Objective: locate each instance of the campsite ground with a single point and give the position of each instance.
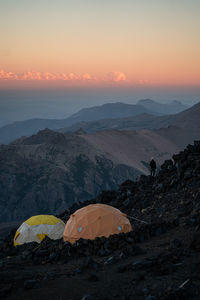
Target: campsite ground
(118, 279)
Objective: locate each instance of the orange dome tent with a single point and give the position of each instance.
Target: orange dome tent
(95, 220)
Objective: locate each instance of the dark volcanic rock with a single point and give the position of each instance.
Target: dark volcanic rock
(159, 258)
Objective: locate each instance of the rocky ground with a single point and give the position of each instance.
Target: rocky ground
(159, 259)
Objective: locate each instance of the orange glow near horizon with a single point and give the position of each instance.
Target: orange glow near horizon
(103, 42)
(115, 77)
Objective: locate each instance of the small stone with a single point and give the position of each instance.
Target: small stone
(102, 252)
(109, 261)
(30, 284)
(52, 257)
(141, 264)
(25, 254)
(130, 240)
(145, 291)
(122, 255)
(77, 271)
(87, 261)
(87, 297)
(42, 252)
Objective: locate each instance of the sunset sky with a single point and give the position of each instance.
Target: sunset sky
(92, 42)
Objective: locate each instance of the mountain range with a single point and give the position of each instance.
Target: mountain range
(50, 170)
(47, 172)
(173, 107)
(107, 112)
(188, 119)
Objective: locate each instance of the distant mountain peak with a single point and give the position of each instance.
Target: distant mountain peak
(177, 102)
(45, 136)
(146, 101)
(173, 107)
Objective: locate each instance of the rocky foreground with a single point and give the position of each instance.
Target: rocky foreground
(159, 259)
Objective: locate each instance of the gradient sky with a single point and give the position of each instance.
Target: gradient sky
(127, 42)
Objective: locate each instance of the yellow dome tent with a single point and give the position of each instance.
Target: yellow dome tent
(95, 220)
(37, 227)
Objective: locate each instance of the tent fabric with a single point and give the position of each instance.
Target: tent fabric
(46, 219)
(95, 220)
(37, 227)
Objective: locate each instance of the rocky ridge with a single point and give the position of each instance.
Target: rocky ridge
(47, 172)
(159, 259)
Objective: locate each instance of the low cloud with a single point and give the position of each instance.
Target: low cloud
(7, 75)
(119, 76)
(49, 76)
(116, 76)
(87, 76)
